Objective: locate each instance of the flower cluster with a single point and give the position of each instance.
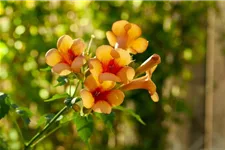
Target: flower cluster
(109, 68)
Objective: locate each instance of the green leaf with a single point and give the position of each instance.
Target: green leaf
(4, 105)
(130, 112)
(62, 80)
(108, 119)
(46, 69)
(57, 96)
(84, 125)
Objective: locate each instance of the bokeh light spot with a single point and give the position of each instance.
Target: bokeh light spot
(20, 30)
(18, 45)
(43, 93)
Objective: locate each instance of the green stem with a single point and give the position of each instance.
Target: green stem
(49, 133)
(39, 134)
(46, 135)
(70, 91)
(17, 126)
(75, 92)
(89, 45)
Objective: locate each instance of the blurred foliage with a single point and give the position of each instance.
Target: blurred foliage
(175, 30)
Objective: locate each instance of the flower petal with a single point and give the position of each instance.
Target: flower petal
(102, 107)
(103, 53)
(77, 63)
(118, 27)
(87, 98)
(111, 38)
(108, 77)
(155, 97)
(124, 57)
(126, 74)
(115, 97)
(90, 83)
(95, 67)
(149, 63)
(140, 45)
(107, 85)
(134, 32)
(62, 69)
(64, 43)
(78, 47)
(132, 51)
(53, 57)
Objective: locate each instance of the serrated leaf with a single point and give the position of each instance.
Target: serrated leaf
(62, 80)
(84, 125)
(57, 96)
(108, 119)
(4, 106)
(46, 69)
(130, 112)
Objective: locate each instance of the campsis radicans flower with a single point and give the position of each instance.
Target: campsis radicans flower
(67, 57)
(100, 97)
(145, 82)
(127, 36)
(111, 65)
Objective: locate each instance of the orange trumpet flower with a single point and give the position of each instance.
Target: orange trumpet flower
(100, 97)
(67, 57)
(111, 65)
(126, 35)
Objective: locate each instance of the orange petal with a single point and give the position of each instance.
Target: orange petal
(126, 74)
(53, 57)
(87, 98)
(62, 69)
(115, 97)
(131, 50)
(90, 83)
(134, 32)
(118, 27)
(103, 53)
(102, 107)
(140, 84)
(108, 77)
(111, 38)
(155, 97)
(140, 45)
(124, 57)
(95, 67)
(107, 85)
(78, 62)
(64, 43)
(149, 63)
(78, 47)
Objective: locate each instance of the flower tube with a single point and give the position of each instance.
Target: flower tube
(145, 82)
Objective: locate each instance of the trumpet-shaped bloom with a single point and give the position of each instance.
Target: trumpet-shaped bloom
(111, 65)
(67, 57)
(145, 82)
(100, 97)
(127, 36)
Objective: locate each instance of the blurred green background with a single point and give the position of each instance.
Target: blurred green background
(175, 30)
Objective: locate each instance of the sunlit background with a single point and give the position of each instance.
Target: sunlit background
(182, 33)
